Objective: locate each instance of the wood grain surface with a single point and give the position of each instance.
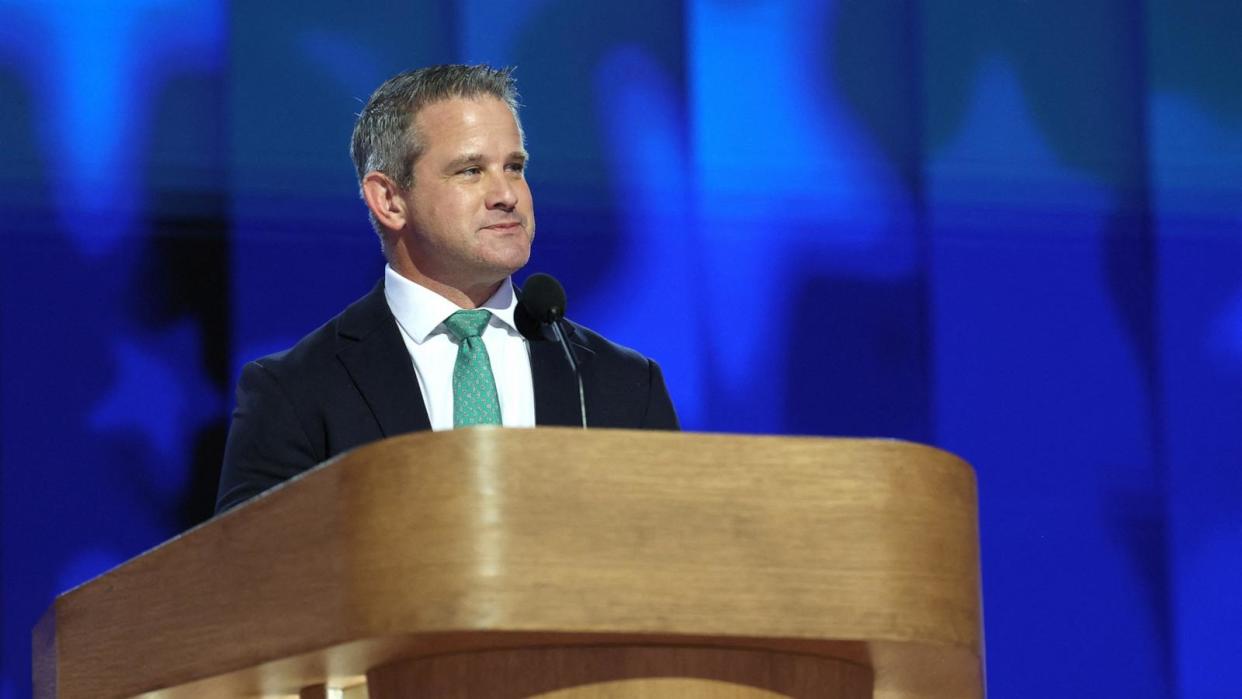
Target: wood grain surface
(622, 672)
(487, 538)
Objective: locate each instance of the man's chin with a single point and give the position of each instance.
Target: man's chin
(506, 262)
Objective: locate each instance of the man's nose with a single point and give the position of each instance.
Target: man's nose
(501, 193)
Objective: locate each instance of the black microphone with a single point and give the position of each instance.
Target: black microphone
(544, 299)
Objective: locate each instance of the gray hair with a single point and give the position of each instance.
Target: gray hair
(385, 139)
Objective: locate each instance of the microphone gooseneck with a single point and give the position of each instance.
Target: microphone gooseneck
(544, 298)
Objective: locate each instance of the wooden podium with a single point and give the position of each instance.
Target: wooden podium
(555, 563)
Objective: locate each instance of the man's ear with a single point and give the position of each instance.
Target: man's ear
(384, 199)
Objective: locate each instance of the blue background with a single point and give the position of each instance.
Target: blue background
(1009, 229)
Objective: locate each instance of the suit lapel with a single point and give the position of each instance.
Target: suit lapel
(373, 353)
(556, 392)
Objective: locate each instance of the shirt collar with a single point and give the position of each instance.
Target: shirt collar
(420, 311)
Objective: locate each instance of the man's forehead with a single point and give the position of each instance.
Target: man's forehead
(464, 111)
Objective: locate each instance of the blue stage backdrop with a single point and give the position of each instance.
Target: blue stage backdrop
(1009, 229)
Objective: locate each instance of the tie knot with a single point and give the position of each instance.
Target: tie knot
(464, 325)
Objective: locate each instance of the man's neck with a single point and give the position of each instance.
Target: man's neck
(462, 295)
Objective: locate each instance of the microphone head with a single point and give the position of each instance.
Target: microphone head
(544, 298)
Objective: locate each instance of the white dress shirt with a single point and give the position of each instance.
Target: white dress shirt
(420, 313)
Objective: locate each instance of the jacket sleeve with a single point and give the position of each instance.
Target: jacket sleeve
(267, 444)
(660, 413)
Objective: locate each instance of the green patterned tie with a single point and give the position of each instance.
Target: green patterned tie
(474, 387)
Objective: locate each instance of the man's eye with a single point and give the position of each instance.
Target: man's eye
(471, 171)
(517, 167)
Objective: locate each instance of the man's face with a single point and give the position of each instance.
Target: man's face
(470, 215)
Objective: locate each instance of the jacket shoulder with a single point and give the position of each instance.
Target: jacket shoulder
(317, 351)
(605, 350)
(630, 384)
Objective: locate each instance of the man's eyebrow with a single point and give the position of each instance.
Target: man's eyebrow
(476, 159)
(464, 160)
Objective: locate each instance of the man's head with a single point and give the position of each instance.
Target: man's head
(441, 160)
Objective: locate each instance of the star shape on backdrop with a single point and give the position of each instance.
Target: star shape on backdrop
(160, 393)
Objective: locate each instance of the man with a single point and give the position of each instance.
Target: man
(442, 341)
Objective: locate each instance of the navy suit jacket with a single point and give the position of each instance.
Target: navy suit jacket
(352, 382)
